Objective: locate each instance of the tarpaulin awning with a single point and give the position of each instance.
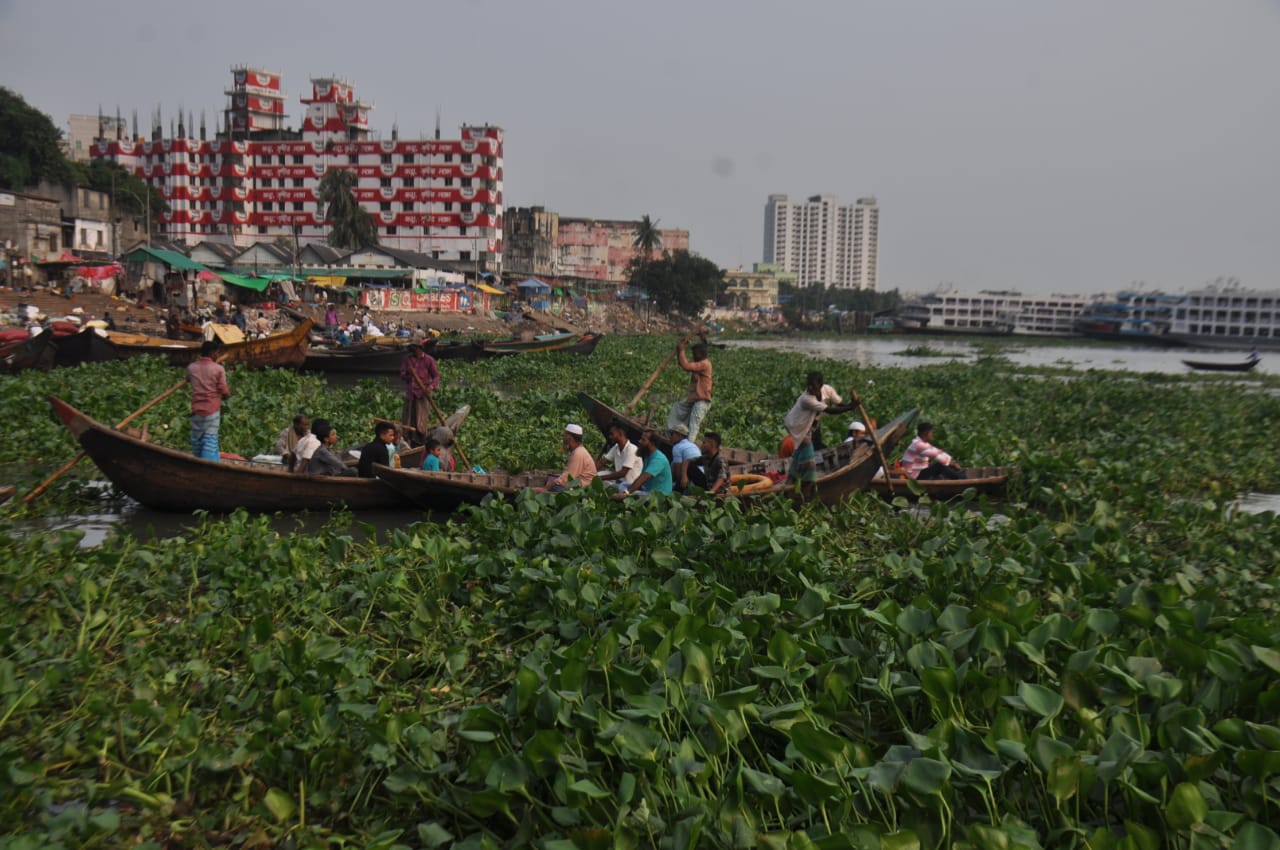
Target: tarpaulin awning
(172, 259)
(257, 284)
(534, 284)
(331, 281)
(484, 287)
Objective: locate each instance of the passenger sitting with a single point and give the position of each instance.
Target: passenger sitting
(926, 462)
(685, 455)
(323, 460)
(433, 451)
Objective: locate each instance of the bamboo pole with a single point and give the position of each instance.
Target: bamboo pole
(44, 485)
(656, 372)
(875, 441)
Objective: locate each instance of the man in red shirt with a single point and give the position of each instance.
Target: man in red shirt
(421, 378)
(208, 388)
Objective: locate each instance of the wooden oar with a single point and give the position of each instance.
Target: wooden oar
(44, 485)
(875, 441)
(656, 372)
(445, 423)
(440, 415)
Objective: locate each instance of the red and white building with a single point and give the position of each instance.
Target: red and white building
(257, 180)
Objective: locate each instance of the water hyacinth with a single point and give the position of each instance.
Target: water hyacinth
(1094, 662)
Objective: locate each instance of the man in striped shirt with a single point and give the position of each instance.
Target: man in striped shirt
(926, 462)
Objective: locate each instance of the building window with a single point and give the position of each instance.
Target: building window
(384, 206)
(385, 182)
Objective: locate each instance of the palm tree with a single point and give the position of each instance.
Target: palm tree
(350, 226)
(648, 238)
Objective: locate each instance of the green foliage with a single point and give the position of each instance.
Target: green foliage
(110, 177)
(351, 226)
(678, 282)
(1094, 663)
(29, 149)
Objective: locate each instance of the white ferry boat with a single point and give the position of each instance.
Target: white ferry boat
(1228, 317)
(993, 312)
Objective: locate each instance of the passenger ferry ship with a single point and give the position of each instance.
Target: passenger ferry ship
(1130, 316)
(993, 312)
(1228, 317)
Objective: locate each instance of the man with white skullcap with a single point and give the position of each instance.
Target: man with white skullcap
(580, 470)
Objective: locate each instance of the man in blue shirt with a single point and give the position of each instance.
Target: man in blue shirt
(656, 476)
(684, 456)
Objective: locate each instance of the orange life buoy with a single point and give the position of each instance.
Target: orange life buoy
(748, 482)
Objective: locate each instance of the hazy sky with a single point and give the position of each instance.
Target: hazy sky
(1043, 145)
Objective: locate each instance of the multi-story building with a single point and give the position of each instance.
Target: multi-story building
(529, 242)
(257, 180)
(601, 250)
(84, 130)
(821, 241)
(755, 289)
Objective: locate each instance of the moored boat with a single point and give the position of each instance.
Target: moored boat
(1211, 366)
(1228, 316)
(375, 358)
(986, 480)
(287, 349)
(166, 479)
(584, 343)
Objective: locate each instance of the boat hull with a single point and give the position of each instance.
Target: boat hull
(165, 479)
(1210, 366)
(446, 492)
(986, 480)
(287, 350)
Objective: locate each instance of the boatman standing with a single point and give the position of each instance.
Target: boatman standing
(693, 409)
(421, 378)
(208, 388)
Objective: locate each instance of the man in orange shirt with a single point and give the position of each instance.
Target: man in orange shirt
(581, 468)
(693, 409)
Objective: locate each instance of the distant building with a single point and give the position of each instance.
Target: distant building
(755, 289)
(86, 218)
(821, 241)
(601, 250)
(257, 179)
(84, 130)
(31, 225)
(529, 242)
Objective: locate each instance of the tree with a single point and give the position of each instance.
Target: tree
(679, 282)
(29, 150)
(111, 177)
(351, 227)
(648, 238)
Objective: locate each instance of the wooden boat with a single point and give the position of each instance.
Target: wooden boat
(6, 493)
(448, 491)
(470, 350)
(287, 349)
(842, 469)
(562, 342)
(170, 480)
(602, 416)
(34, 352)
(374, 358)
(1212, 366)
(986, 480)
(87, 346)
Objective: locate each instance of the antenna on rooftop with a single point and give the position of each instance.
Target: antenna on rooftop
(437, 123)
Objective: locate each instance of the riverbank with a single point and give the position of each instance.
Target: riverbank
(147, 318)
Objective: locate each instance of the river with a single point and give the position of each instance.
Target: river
(889, 350)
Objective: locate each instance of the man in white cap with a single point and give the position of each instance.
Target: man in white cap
(581, 469)
(856, 432)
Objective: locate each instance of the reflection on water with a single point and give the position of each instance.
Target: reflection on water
(1065, 353)
(145, 524)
